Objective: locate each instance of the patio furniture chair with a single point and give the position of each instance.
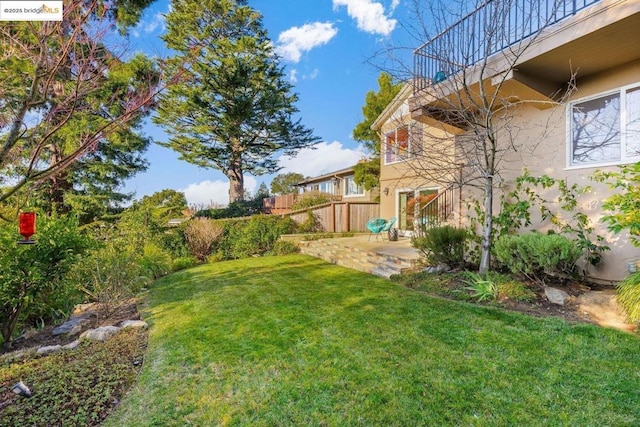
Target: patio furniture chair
(375, 226)
(389, 224)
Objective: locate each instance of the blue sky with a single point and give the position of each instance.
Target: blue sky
(325, 46)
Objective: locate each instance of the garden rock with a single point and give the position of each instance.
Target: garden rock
(73, 326)
(556, 296)
(100, 334)
(48, 349)
(133, 324)
(72, 345)
(437, 269)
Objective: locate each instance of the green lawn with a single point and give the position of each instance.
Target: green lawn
(296, 341)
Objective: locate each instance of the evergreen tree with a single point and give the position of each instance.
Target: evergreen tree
(231, 107)
(66, 96)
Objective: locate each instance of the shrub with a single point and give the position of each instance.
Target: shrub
(155, 262)
(311, 224)
(253, 236)
(629, 296)
(240, 208)
(183, 262)
(200, 235)
(537, 255)
(310, 199)
(34, 279)
(110, 274)
(483, 287)
(283, 247)
(442, 245)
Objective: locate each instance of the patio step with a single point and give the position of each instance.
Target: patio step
(360, 254)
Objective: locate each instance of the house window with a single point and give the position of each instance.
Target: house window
(397, 145)
(323, 186)
(606, 129)
(351, 188)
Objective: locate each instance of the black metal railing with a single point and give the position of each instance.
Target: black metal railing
(437, 210)
(491, 28)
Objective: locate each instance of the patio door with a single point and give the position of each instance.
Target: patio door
(406, 207)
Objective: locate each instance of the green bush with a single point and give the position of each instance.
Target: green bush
(34, 279)
(311, 224)
(283, 247)
(155, 261)
(112, 273)
(253, 236)
(537, 255)
(483, 288)
(310, 199)
(236, 209)
(629, 296)
(183, 262)
(442, 245)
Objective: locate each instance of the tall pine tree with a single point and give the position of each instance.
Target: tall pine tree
(231, 108)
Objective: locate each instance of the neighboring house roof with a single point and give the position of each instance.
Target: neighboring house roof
(335, 174)
(396, 102)
(176, 221)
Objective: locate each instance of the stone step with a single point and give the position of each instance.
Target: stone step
(364, 259)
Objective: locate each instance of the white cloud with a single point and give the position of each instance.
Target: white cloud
(293, 76)
(148, 26)
(369, 15)
(312, 75)
(327, 157)
(293, 42)
(214, 192)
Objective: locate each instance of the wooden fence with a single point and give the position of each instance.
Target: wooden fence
(339, 217)
(278, 204)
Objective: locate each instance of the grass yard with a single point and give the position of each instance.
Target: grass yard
(293, 340)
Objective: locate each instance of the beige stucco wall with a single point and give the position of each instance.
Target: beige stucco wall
(541, 138)
(544, 152)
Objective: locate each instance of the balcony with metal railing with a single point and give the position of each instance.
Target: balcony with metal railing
(493, 27)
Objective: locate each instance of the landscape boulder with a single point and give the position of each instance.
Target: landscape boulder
(99, 334)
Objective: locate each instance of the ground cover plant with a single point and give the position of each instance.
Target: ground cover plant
(293, 340)
(77, 387)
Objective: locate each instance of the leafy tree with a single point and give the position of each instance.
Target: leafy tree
(284, 183)
(231, 108)
(367, 174)
(65, 94)
(375, 103)
(90, 187)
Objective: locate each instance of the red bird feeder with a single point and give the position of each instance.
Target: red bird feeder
(27, 227)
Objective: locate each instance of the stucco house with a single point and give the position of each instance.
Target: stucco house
(341, 184)
(571, 97)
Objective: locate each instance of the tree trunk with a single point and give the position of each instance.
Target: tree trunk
(236, 182)
(8, 326)
(59, 184)
(485, 259)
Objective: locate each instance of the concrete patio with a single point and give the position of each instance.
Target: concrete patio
(364, 253)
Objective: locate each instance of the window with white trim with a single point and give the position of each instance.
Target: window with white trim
(351, 188)
(605, 129)
(396, 145)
